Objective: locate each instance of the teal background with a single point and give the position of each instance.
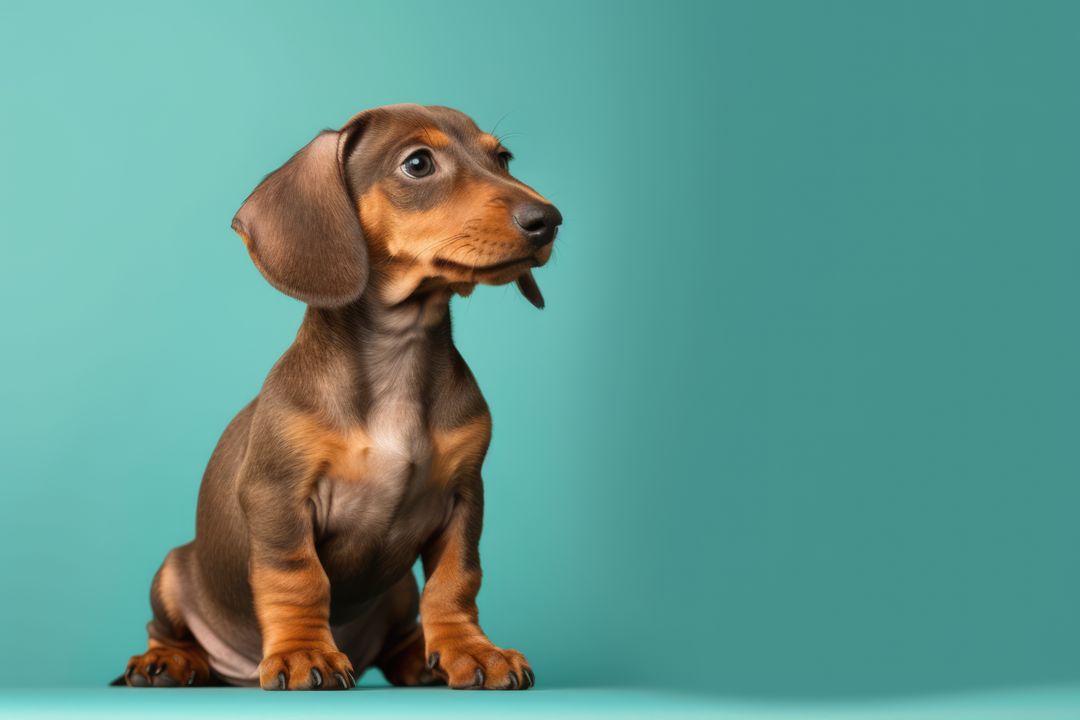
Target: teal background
(800, 419)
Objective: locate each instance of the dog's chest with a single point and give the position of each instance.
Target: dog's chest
(378, 479)
(378, 488)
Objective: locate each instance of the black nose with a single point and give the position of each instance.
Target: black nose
(539, 221)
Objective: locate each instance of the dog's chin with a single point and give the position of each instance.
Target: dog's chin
(513, 269)
(505, 274)
(499, 272)
(517, 269)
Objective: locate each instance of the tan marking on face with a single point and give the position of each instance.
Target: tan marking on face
(490, 142)
(377, 215)
(435, 138)
(472, 209)
(471, 228)
(459, 449)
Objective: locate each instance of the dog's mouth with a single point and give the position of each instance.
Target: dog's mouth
(516, 269)
(443, 263)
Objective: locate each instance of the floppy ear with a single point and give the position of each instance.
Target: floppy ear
(301, 226)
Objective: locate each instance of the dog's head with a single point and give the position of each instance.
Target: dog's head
(419, 194)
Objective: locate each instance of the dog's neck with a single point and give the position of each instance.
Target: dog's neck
(372, 321)
(395, 347)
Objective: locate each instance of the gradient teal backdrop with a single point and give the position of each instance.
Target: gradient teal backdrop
(802, 416)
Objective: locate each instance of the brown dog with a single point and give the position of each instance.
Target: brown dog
(363, 450)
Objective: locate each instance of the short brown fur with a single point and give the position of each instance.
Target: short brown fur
(363, 451)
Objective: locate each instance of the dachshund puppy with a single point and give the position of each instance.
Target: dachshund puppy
(363, 450)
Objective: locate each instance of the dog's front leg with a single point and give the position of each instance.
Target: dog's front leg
(455, 645)
(290, 590)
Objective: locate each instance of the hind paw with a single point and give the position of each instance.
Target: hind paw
(167, 667)
(408, 666)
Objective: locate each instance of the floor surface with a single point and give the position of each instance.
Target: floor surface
(373, 703)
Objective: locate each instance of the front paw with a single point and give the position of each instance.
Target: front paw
(312, 669)
(475, 664)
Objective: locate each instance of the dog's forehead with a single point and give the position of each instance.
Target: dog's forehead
(455, 123)
(431, 124)
(386, 131)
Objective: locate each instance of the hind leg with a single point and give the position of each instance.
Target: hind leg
(403, 664)
(173, 658)
(401, 659)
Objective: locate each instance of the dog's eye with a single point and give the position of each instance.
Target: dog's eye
(504, 160)
(419, 164)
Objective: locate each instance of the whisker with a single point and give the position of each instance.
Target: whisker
(436, 245)
(499, 121)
